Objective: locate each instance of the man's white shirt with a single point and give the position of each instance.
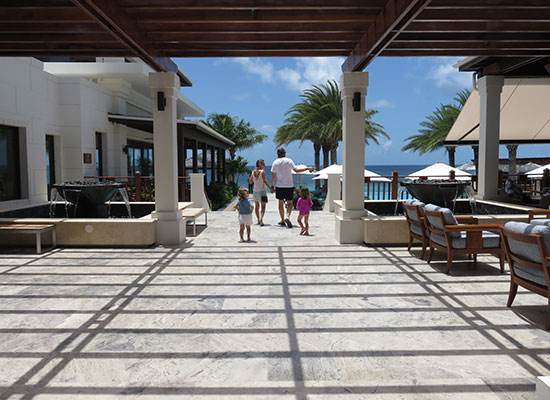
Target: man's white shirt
(283, 167)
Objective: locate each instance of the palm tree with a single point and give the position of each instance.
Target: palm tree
(436, 127)
(318, 118)
(239, 132)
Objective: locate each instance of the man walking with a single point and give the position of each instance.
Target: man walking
(281, 170)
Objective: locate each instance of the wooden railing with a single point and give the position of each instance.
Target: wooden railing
(142, 188)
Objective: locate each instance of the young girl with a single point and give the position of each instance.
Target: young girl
(260, 189)
(303, 205)
(245, 207)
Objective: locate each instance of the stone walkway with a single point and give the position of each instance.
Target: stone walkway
(283, 317)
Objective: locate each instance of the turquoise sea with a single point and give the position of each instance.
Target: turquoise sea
(383, 170)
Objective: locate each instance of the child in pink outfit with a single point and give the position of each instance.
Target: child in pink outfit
(303, 205)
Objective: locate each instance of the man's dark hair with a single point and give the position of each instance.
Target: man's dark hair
(281, 152)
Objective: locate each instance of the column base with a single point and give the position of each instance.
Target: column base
(171, 228)
(349, 230)
(543, 387)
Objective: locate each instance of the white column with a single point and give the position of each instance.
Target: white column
(170, 225)
(349, 223)
(198, 197)
(334, 191)
(490, 88)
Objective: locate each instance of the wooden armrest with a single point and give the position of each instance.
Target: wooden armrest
(533, 213)
(472, 228)
(467, 219)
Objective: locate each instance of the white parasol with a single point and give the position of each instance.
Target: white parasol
(537, 173)
(440, 171)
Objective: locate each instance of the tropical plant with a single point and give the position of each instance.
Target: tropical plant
(238, 131)
(235, 168)
(436, 127)
(318, 118)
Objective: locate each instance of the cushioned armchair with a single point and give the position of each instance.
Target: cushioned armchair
(460, 235)
(415, 219)
(527, 247)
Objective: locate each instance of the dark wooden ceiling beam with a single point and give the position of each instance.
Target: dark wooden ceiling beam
(254, 27)
(258, 53)
(463, 53)
(256, 37)
(115, 21)
(485, 14)
(47, 27)
(395, 16)
(56, 37)
(479, 26)
(336, 46)
(469, 4)
(472, 37)
(252, 4)
(257, 16)
(502, 45)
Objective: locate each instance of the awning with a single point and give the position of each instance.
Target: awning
(524, 115)
(194, 130)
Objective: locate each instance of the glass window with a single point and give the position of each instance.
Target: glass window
(10, 181)
(98, 154)
(140, 158)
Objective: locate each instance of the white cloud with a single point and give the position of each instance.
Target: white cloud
(386, 145)
(447, 76)
(255, 66)
(380, 104)
(268, 129)
(305, 72)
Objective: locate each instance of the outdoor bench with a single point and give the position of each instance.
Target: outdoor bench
(36, 229)
(191, 215)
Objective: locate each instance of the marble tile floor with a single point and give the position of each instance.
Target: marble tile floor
(282, 317)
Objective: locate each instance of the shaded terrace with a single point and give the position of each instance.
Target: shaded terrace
(286, 317)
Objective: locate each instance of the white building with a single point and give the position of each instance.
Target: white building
(54, 122)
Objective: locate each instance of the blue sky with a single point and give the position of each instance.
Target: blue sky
(403, 90)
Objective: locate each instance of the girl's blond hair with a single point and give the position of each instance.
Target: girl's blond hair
(258, 164)
(304, 192)
(242, 193)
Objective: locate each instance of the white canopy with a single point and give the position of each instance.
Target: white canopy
(467, 167)
(440, 171)
(374, 177)
(537, 173)
(524, 114)
(332, 169)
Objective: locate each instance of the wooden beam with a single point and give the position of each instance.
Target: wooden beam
(305, 5)
(463, 53)
(253, 27)
(264, 37)
(478, 26)
(395, 17)
(115, 21)
(493, 44)
(256, 53)
(518, 13)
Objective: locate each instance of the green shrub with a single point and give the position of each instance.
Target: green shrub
(220, 194)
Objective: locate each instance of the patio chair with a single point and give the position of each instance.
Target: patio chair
(539, 217)
(527, 248)
(415, 219)
(462, 235)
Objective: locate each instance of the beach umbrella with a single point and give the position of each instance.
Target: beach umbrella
(374, 177)
(333, 169)
(467, 167)
(530, 166)
(537, 173)
(440, 171)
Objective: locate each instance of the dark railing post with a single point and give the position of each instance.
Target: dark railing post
(367, 182)
(500, 179)
(452, 174)
(181, 183)
(138, 186)
(394, 184)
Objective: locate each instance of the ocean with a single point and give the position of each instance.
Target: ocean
(307, 180)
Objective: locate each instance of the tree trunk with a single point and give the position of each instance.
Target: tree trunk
(326, 151)
(317, 149)
(512, 161)
(334, 154)
(451, 151)
(232, 153)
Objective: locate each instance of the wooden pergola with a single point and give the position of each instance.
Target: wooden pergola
(357, 29)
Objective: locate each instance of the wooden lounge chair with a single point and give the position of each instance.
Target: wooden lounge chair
(539, 216)
(527, 248)
(415, 219)
(462, 235)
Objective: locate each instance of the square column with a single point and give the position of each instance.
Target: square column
(170, 224)
(349, 223)
(490, 88)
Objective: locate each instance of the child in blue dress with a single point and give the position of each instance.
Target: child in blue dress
(245, 207)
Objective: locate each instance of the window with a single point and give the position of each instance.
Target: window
(98, 154)
(140, 158)
(50, 163)
(10, 179)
